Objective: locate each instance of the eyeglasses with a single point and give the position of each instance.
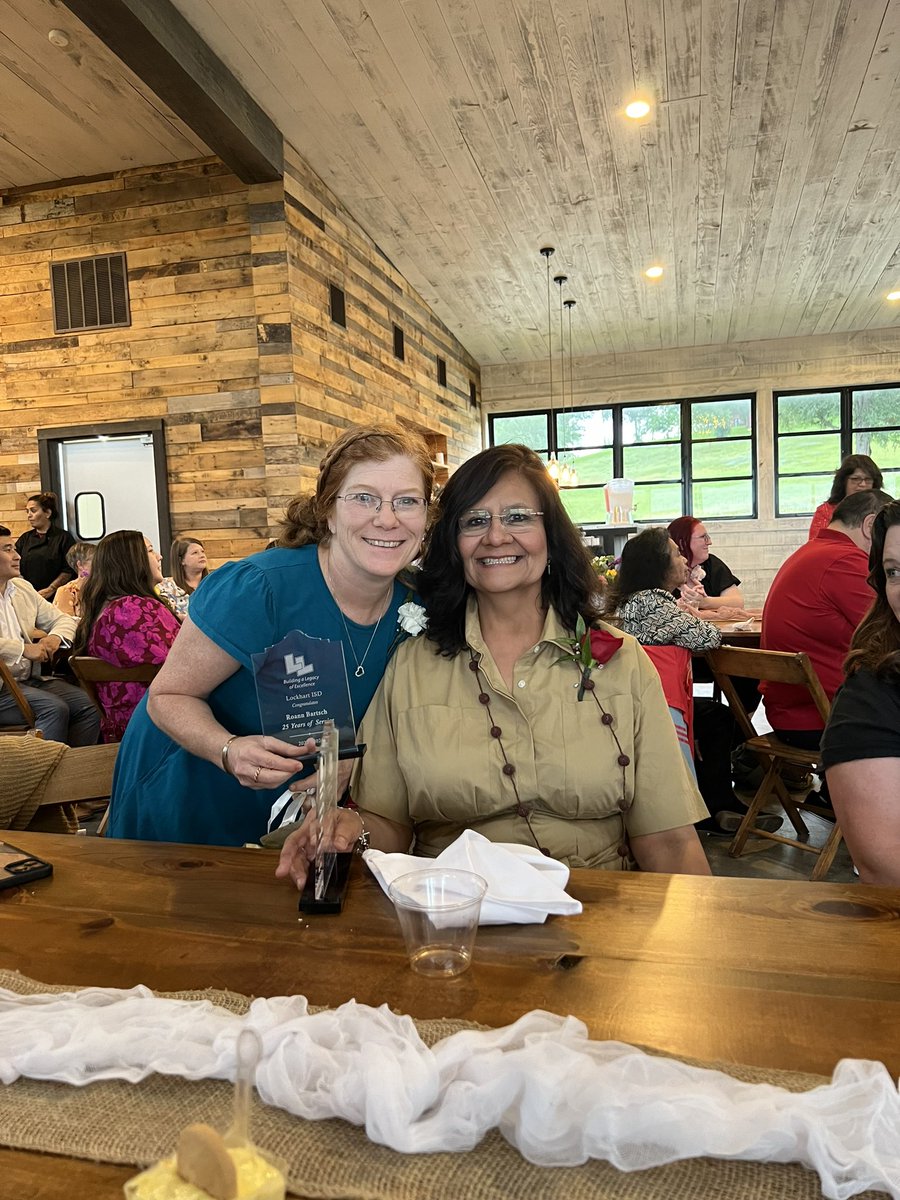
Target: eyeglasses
(406, 506)
(476, 521)
(702, 537)
(861, 479)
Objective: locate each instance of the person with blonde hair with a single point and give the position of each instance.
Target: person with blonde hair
(68, 597)
(189, 566)
(195, 765)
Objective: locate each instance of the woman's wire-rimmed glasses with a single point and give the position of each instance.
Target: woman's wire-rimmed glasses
(407, 506)
(475, 521)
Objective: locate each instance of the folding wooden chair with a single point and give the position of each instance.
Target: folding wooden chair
(91, 671)
(774, 755)
(27, 724)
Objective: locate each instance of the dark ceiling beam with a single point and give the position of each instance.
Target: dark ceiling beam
(157, 43)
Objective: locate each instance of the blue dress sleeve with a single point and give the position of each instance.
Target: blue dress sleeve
(235, 608)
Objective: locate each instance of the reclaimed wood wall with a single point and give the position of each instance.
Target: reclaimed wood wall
(231, 341)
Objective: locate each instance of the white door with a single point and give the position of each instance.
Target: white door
(109, 483)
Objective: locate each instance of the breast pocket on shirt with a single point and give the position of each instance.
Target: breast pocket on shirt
(451, 764)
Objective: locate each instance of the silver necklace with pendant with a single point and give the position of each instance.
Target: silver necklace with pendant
(360, 668)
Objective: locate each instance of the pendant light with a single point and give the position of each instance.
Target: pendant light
(559, 280)
(570, 304)
(552, 465)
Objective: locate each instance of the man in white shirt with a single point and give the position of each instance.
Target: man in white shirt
(63, 712)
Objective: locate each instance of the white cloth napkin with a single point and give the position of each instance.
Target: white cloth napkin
(524, 886)
(556, 1096)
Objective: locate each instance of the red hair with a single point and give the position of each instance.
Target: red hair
(681, 531)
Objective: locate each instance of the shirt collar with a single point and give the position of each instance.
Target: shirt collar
(554, 632)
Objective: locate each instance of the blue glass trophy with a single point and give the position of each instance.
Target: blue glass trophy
(302, 691)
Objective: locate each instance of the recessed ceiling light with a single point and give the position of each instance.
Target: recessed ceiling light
(58, 37)
(893, 295)
(637, 109)
(654, 272)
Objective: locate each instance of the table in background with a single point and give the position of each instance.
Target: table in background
(607, 539)
(739, 637)
(790, 975)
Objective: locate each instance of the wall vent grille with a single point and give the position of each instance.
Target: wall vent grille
(90, 293)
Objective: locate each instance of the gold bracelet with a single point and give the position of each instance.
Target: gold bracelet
(226, 765)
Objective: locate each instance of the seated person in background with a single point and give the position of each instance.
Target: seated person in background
(861, 743)
(188, 559)
(711, 586)
(855, 474)
(815, 603)
(481, 723)
(68, 597)
(43, 547)
(123, 621)
(63, 712)
(651, 570)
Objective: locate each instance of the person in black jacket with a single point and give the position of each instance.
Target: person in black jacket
(44, 547)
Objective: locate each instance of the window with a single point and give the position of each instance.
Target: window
(442, 371)
(684, 456)
(399, 349)
(90, 293)
(338, 305)
(814, 431)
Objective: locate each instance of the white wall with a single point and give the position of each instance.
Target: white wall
(753, 549)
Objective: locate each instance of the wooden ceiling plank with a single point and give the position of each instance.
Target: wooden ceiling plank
(862, 201)
(159, 45)
(833, 63)
(789, 32)
(752, 54)
(719, 42)
(802, 311)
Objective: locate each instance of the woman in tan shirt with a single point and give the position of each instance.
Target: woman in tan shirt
(488, 722)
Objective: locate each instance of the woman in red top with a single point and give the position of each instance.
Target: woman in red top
(124, 621)
(855, 474)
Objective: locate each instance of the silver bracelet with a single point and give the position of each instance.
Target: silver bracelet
(362, 842)
(226, 765)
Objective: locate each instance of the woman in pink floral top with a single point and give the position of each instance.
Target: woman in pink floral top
(124, 621)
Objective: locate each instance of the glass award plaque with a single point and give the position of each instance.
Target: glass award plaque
(326, 883)
(301, 682)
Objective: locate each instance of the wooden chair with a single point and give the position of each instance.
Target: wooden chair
(91, 671)
(774, 755)
(83, 773)
(27, 724)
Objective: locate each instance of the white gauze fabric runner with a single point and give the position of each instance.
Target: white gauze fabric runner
(554, 1094)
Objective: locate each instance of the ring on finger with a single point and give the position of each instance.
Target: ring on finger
(256, 776)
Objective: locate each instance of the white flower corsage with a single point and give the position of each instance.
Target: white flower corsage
(411, 618)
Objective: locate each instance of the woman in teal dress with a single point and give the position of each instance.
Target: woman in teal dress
(194, 766)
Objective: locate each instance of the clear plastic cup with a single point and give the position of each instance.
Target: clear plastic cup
(438, 910)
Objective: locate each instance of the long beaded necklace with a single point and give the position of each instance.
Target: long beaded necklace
(525, 810)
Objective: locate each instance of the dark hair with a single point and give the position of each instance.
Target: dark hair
(80, 552)
(570, 586)
(180, 548)
(646, 562)
(120, 568)
(4, 532)
(681, 530)
(851, 463)
(48, 501)
(876, 642)
(306, 518)
(854, 509)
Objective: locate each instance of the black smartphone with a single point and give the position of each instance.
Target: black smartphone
(17, 867)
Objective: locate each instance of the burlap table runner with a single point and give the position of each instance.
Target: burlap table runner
(120, 1122)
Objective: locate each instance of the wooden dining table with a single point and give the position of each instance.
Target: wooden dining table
(791, 975)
